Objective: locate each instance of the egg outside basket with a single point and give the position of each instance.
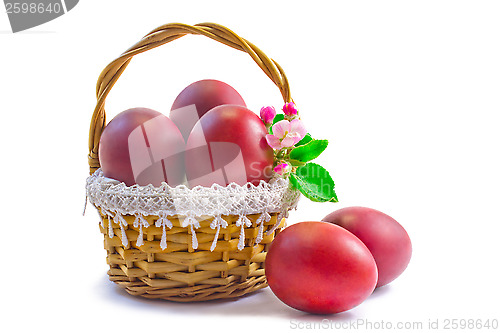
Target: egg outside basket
(178, 243)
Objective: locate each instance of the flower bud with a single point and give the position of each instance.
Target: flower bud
(289, 109)
(267, 114)
(282, 168)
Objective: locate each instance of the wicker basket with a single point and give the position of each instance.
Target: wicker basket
(181, 272)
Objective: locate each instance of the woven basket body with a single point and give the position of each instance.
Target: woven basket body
(181, 271)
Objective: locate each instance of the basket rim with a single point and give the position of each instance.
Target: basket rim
(276, 197)
(116, 198)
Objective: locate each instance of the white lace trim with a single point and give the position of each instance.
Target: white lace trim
(190, 205)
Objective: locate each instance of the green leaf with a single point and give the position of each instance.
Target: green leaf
(309, 151)
(278, 117)
(304, 140)
(315, 183)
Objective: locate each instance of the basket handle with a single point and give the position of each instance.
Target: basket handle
(163, 35)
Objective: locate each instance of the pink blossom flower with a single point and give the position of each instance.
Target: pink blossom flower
(289, 109)
(282, 168)
(286, 134)
(267, 114)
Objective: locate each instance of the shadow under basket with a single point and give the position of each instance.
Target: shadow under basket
(181, 273)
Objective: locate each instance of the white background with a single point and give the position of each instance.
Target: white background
(407, 92)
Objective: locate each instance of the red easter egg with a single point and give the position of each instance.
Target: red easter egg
(319, 267)
(197, 99)
(142, 146)
(228, 145)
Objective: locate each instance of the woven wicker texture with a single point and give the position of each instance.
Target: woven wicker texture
(179, 272)
(182, 274)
